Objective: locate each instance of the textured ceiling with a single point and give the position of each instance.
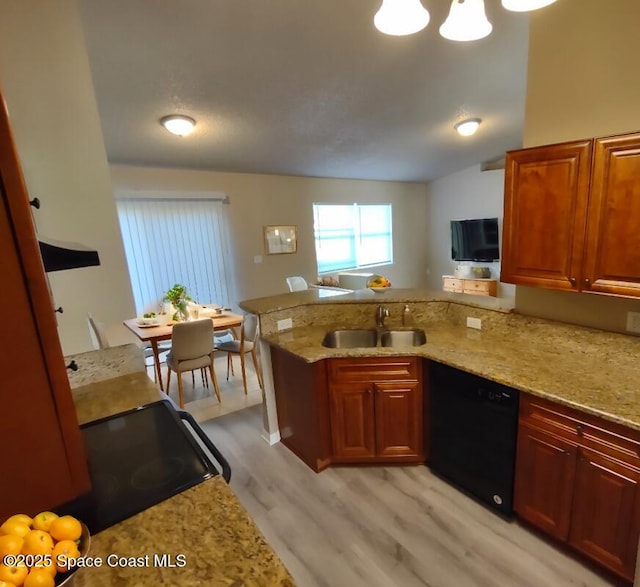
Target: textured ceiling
(302, 87)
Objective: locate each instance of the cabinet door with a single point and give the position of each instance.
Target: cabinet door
(545, 470)
(545, 205)
(399, 416)
(612, 253)
(352, 420)
(43, 460)
(605, 522)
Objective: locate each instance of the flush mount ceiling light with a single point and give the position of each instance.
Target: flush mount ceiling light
(525, 5)
(467, 21)
(178, 124)
(467, 127)
(401, 17)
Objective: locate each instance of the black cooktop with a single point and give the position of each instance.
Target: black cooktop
(139, 458)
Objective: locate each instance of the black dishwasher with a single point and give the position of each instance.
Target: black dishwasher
(473, 434)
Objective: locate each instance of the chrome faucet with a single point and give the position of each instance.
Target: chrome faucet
(381, 313)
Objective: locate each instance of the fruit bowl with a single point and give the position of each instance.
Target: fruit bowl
(379, 289)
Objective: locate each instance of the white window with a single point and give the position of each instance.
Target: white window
(175, 240)
(351, 236)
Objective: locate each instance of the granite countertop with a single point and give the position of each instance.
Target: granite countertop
(593, 371)
(207, 524)
(219, 543)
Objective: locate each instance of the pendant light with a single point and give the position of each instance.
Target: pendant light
(467, 21)
(178, 124)
(401, 17)
(525, 5)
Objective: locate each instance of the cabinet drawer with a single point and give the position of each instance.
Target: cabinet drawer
(586, 430)
(370, 369)
(452, 284)
(481, 288)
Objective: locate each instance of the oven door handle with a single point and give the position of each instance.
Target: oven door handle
(226, 469)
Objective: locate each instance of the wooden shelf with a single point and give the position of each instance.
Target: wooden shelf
(474, 287)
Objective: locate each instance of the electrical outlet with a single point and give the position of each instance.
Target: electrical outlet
(474, 323)
(285, 324)
(257, 259)
(633, 322)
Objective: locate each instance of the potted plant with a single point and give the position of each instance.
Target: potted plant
(178, 298)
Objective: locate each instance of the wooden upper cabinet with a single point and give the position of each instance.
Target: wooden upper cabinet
(612, 252)
(545, 205)
(43, 458)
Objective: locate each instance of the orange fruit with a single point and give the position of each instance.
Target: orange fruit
(39, 578)
(15, 574)
(43, 521)
(10, 544)
(37, 542)
(49, 566)
(15, 527)
(5, 584)
(63, 553)
(65, 528)
(22, 518)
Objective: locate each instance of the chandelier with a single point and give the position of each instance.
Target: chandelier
(467, 20)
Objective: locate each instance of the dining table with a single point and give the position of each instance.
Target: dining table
(153, 334)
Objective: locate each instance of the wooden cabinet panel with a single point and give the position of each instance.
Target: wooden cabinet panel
(545, 471)
(453, 284)
(605, 522)
(398, 419)
(352, 420)
(612, 253)
(545, 205)
(44, 460)
(373, 369)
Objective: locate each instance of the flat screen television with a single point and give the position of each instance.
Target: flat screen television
(475, 240)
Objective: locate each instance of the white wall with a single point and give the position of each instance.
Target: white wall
(258, 200)
(469, 193)
(582, 82)
(47, 85)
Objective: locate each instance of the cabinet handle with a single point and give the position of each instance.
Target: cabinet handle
(587, 281)
(35, 203)
(60, 310)
(573, 281)
(73, 366)
(580, 430)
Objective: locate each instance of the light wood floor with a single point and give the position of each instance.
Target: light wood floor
(201, 401)
(381, 526)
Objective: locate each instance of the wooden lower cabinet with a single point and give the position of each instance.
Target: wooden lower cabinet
(376, 409)
(578, 479)
(360, 410)
(544, 480)
(605, 514)
(352, 420)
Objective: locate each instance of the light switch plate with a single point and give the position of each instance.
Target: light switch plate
(474, 323)
(257, 259)
(285, 324)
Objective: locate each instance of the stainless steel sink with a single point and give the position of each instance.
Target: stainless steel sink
(350, 338)
(410, 337)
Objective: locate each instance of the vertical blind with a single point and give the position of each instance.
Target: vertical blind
(169, 241)
(350, 236)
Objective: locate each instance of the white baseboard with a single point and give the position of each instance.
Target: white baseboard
(270, 438)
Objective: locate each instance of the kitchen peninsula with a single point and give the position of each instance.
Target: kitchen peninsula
(206, 524)
(577, 469)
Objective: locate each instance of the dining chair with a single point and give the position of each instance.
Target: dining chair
(191, 349)
(247, 344)
(98, 330)
(297, 283)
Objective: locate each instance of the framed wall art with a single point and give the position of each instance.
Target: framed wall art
(280, 239)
